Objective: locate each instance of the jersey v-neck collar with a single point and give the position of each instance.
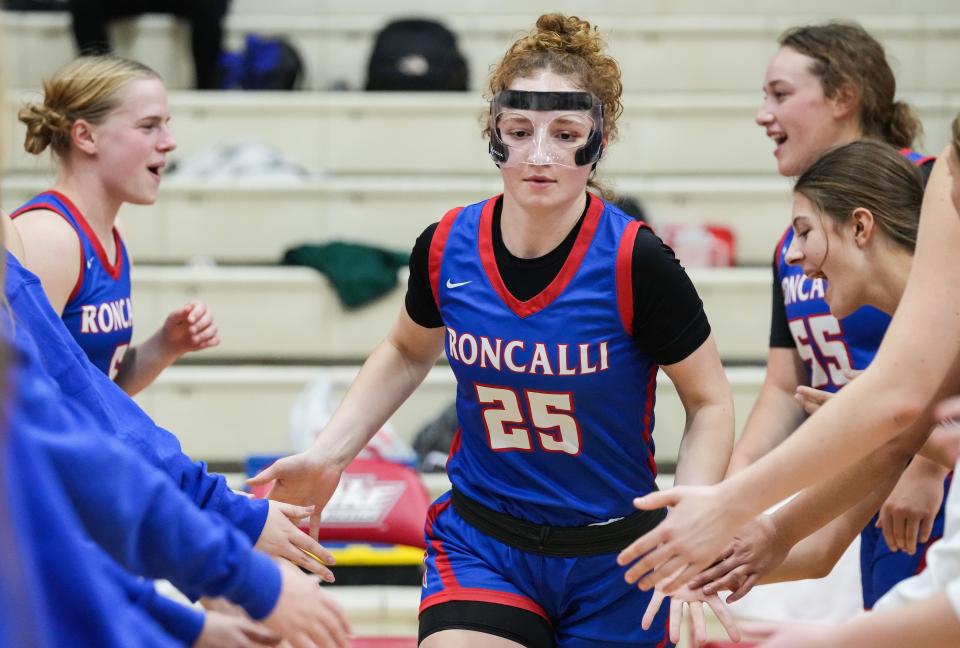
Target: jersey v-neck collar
(570, 266)
(113, 269)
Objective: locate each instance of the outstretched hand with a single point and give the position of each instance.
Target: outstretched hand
(695, 532)
(908, 514)
(190, 328)
(302, 479)
(691, 600)
(753, 553)
(282, 537)
(305, 615)
(812, 399)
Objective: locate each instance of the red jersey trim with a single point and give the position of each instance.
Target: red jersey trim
(570, 266)
(437, 245)
(666, 633)
(625, 275)
(484, 596)
(56, 210)
(920, 161)
(648, 415)
(113, 269)
(454, 445)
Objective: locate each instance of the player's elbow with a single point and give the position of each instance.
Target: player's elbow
(904, 410)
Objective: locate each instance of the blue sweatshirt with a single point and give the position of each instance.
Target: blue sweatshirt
(181, 622)
(52, 591)
(90, 390)
(128, 507)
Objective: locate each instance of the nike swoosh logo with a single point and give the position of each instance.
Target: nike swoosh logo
(450, 284)
(89, 263)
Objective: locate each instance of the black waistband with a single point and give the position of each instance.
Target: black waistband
(556, 541)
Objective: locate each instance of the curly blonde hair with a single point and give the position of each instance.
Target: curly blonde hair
(571, 47)
(88, 89)
(568, 46)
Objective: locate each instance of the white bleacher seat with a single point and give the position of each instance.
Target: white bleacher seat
(438, 133)
(226, 413)
(293, 313)
(604, 7)
(243, 221)
(659, 51)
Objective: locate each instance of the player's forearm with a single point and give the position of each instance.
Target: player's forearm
(816, 555)
(142, 364)
(931, 623)
(869, 479)
(841, 433)
(385, 381)
(707, 443)
(774, 416)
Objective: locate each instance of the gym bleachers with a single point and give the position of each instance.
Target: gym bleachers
(386, 165)
(191, 218)
(293, 313)
(250, 405)
(659, 48)
(663, 134)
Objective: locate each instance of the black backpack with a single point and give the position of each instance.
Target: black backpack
(416, 55)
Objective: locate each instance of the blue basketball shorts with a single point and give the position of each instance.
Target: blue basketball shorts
(473, 581)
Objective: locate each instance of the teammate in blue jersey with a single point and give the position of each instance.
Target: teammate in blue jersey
(829, 85)
(106, 120)
(556, 311)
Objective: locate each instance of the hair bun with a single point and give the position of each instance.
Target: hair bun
(44, 126)
(904, 126)
(568, 34)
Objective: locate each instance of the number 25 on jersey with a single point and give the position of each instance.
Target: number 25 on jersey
(550, 416)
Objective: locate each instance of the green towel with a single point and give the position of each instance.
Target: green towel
(359, 273)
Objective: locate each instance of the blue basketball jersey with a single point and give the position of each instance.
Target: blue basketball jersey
(828, 347)
(554, 399)
(98, 313)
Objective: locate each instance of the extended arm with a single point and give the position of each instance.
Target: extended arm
(391, 373)
(708, 434)
(892, 394)
(776, 413)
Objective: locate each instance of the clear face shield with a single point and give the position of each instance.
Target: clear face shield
(543, 128)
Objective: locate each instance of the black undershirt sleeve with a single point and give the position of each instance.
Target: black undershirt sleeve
(419, 301)
(669, 322)
(780, 335)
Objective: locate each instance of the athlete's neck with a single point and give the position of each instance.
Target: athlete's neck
(94, 201)
(532, 233)
(890, 279)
